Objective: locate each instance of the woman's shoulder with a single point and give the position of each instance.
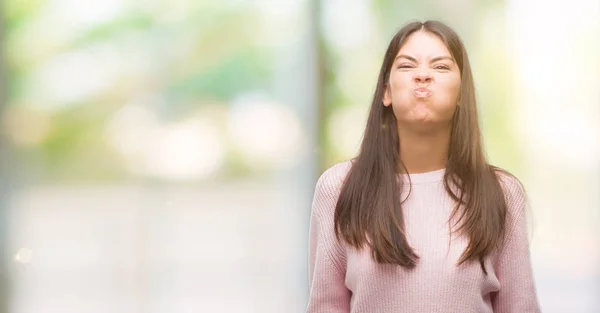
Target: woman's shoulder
(513, 189)
(330, 182)
(328, 188)
(333, 177)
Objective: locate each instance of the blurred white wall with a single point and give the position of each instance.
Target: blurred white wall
(180, 232)
(556, 50)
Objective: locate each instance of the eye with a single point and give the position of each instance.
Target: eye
(442, 67)
(404, 66)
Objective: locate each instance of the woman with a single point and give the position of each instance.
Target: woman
(419, 221)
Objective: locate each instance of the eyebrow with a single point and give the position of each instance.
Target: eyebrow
(443, 57)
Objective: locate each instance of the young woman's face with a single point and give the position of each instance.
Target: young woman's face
(424, 82)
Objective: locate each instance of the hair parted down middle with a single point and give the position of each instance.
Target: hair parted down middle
(369, 208)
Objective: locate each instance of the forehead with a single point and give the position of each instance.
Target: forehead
(424, 44)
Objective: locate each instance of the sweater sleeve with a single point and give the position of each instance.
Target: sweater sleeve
(328, 292)
(517, 292)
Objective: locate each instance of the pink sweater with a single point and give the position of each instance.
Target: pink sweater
(343, 280)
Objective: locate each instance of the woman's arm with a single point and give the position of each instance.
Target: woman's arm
(327, 261)
(517, 292)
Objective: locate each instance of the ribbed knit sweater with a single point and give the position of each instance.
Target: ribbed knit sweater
(343, 279)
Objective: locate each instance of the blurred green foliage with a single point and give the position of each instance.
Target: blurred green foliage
(210, 54)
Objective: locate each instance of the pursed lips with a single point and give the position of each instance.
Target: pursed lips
(422, 92)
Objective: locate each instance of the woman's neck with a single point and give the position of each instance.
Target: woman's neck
(421, 153)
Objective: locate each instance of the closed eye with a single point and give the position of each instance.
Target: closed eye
(442, 67)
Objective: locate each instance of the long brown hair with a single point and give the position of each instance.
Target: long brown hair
(368, 210)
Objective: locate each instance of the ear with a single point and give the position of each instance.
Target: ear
(387, 97)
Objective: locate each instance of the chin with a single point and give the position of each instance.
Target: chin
(429, 113)
(425, 123)
(423, 115)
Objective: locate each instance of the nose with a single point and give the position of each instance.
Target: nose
(423, 77)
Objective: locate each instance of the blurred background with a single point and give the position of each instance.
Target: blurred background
(161, 156)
